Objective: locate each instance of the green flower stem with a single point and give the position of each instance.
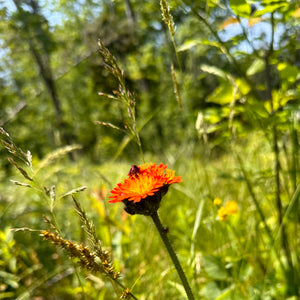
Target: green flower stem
(173, 255)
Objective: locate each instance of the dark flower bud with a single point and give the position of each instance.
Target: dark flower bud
(147, 206)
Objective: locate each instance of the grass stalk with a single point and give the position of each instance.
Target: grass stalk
(124, 95)
(242, 251)
(168, 19)
(259, 210)
(284, 238)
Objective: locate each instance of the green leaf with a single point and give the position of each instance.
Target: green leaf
(288, 72)
(245, 272)
(223, 94)
(240, 8)
(243, 86)
(257, 66)
(212, 115)
(279, 100)
(10, 279)
(197, 225)
(213, 70)
(214, 267)
(229, 293)
(270, 6)
(210, 291)
(178, 287)
(188, 44)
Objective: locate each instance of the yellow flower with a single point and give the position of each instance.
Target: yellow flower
(222, 214)
(217, 201)
(230, 208)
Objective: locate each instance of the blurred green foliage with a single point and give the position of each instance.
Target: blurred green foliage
(52, 71)
(234, 135)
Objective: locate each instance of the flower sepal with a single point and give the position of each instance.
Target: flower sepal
(147, 206)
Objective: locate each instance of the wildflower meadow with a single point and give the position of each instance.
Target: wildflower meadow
(150, 150)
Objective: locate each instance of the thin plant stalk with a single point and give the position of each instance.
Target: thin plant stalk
(290, 272)
(243, 252)
(124, 95)
(168, 19)
(259, 210)
(284, 239)
(173, 256)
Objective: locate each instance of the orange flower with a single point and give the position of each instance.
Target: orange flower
(148, 181)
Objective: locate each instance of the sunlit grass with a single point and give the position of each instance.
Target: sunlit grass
(232, 257)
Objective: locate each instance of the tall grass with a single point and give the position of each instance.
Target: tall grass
(250, 254)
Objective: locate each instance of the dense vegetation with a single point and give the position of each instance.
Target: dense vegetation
(210, 88)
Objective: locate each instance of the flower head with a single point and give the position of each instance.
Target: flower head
(230, 208)
(142, 190)
(217, 201)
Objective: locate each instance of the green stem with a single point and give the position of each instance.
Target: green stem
(176, 52)
(173, 255)
(259, 210)
(123, 287)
